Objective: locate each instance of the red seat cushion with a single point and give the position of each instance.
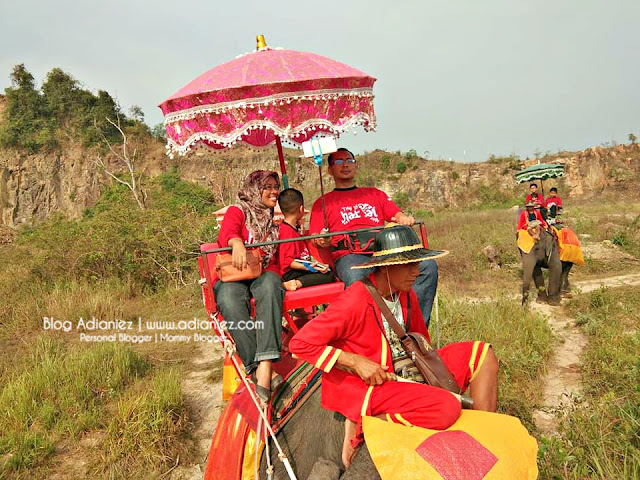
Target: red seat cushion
(310, 296)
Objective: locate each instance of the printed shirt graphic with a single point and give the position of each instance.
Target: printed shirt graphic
(350, 209)
(288, 252)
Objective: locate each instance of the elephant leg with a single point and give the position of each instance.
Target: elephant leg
(528, 263)
(538, 279)
(564, 284)
(555, 277)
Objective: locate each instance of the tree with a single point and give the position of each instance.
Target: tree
(158, 131)
(27, 121)
(632, 138)
(133, 183)
(60, 91)
(136, 113)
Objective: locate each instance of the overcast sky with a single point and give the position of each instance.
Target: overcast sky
(481, 77)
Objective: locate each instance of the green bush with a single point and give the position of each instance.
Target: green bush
(411, 154)
(401, 167)
(149, 249)
(401, 199)
(491, 197)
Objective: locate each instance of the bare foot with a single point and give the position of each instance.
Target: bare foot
(291, 285)
(347, 449)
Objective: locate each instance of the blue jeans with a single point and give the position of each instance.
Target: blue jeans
(259, 340)
(425, 285)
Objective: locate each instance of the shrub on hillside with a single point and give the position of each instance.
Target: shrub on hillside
(401, 199)
(150, 249)
(401, 167)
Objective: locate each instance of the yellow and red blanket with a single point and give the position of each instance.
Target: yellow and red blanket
(569, 248)
(479, 446)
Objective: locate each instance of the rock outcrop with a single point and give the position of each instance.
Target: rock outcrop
(32, 187)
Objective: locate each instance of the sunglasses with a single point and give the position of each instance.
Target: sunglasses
(346, 160)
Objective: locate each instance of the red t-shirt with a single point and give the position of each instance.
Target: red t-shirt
(540, 199)
(350, 209)
(233, 226)
(524, 219)
(557, 201)
(288, 252)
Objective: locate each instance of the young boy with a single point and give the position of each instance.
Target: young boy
(294, 273)
(553, 200)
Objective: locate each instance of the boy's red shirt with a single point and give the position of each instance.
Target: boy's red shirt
(557, 201)
(288, 252)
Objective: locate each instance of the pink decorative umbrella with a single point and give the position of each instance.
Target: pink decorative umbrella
(267, 96)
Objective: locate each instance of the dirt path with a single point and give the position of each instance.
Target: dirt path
(562, 380)
(202, 389)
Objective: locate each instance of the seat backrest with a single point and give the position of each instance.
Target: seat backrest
(206, 265)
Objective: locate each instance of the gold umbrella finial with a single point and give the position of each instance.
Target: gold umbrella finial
(261, 43)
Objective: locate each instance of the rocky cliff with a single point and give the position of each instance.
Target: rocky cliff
(32, 187)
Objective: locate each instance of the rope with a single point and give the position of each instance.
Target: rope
(435, 300)
(231, 349)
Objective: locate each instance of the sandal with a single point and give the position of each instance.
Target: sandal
(275, 381)
(263, 393)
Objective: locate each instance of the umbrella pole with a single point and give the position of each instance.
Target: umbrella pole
(324, 206)
(283, 166)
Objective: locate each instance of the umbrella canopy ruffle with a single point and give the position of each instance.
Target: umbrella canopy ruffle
(542, 171)
(272, 92)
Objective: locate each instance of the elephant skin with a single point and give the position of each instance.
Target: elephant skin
(312, 441)
(544, 254)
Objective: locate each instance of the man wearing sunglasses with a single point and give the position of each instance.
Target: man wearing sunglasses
(349, 208)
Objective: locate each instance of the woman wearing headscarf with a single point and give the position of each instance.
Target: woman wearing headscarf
(250, 220)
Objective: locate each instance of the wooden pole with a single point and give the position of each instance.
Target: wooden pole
(283, 166)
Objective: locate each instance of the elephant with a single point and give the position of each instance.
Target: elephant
(312, 441)
(544, 254)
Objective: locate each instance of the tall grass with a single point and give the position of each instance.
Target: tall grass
(600, 436)
(62, 393)
(521, 340)
(465, 234)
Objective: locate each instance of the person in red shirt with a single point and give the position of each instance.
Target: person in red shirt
(534, 195)
(297, 274)
(355, 349)
(553, 200)
(531, 213)
(250, 220)
(350, 207)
